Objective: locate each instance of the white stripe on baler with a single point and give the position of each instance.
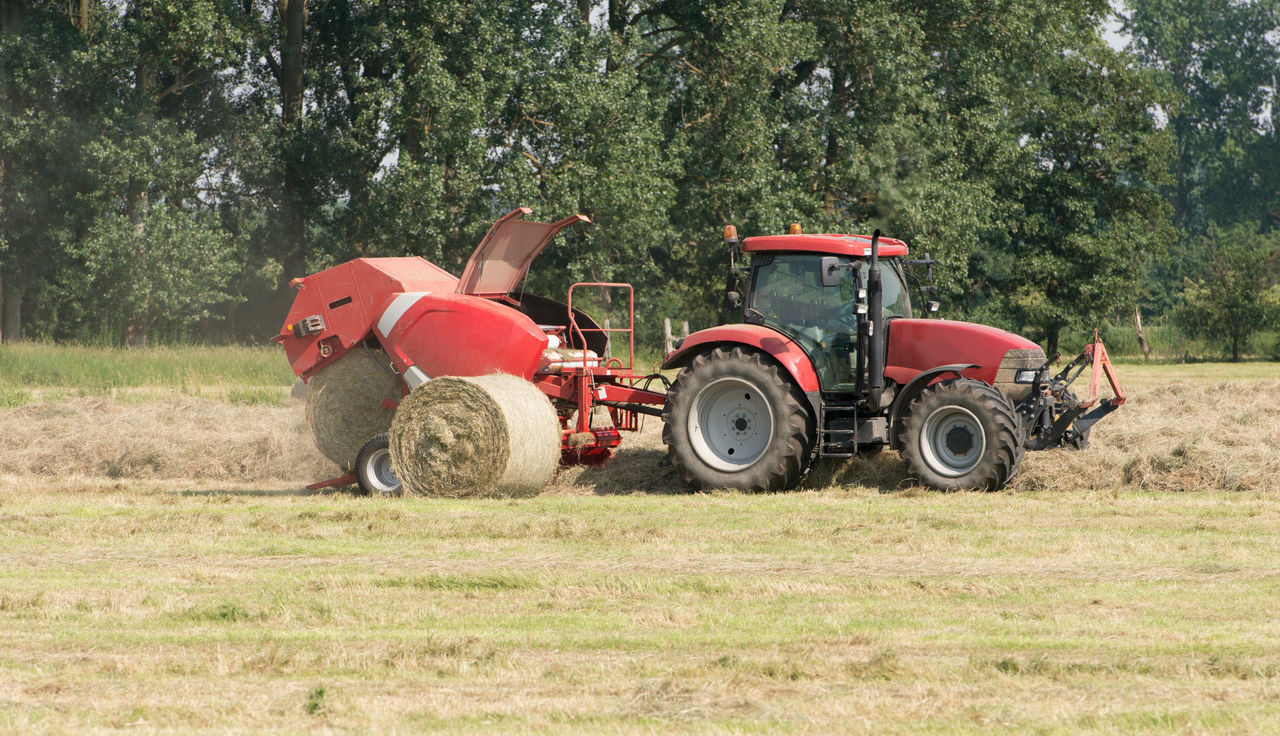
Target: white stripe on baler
(415, 377)
(396, 310)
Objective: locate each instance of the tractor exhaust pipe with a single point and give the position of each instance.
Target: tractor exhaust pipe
(875, 327)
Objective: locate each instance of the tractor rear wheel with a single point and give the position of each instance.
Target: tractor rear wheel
(962, 434)
(734, 420)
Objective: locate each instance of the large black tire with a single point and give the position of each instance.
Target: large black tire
(734, 420)
(374, 473)
(962, 434)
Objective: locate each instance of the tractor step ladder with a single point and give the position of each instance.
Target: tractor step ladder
(835, 442)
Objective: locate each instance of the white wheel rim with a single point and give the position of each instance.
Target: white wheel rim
(953, 441)
(381, 477)
(730, 424)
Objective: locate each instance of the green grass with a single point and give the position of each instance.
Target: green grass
(897, 612)
(33, 371)
(38, 365)
(185, 606)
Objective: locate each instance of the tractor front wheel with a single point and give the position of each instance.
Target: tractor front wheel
(962, 434)
(733, 420)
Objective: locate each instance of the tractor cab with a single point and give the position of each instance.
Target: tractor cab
(787, 291)
(813, 289)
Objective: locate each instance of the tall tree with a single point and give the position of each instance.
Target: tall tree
(1091, 214)
(1238, 294)
(1219, 59)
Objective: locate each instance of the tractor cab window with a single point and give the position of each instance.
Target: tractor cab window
(894, 301)
(787, 294)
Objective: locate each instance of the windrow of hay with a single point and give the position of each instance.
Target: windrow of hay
(1172, 436)
(171, 437)
(344, 404)
(486, 436)
(1177, 436)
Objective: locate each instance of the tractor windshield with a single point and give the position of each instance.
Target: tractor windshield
(894, 302)
(787, 294)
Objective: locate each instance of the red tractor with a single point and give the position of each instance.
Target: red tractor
(829, 361)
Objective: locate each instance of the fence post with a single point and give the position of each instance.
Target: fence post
(667, 343)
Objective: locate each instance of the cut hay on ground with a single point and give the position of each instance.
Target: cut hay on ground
(344, 404)
(173, 437)
(1177, 436)
(1174, 434)
(464, 437)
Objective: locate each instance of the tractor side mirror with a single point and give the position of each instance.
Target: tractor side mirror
(830, 271)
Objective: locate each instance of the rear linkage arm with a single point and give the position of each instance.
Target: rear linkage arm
(1073, 417)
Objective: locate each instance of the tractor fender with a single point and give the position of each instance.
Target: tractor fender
(913, 389)
(793, 359)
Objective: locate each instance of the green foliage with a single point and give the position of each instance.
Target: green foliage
(315, 702)
(165, 168)
(167, 267)
(1239, 291)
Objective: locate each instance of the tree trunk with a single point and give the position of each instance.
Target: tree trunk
(78, 12)
(138, 207)
(1235, 347)
(11, 322)
(1051, 337)
(294, 15)
(1142, 339)
(11, 12)
(134, 334)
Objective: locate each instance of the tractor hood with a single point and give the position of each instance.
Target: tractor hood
(502, 259)
(916, 345)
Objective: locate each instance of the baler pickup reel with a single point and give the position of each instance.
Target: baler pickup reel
(1061, 417)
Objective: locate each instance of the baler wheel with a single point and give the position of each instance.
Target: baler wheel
(374, 473)
(962, 434)
(733, 420)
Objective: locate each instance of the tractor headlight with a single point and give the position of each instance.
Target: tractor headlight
(1025, 376)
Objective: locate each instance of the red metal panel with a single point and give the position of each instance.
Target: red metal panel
(782, 348)
(349, 299)
(856, 246)
(502, 258)
(459, 335)
(916, 345)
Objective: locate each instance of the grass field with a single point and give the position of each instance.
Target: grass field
(161, 571)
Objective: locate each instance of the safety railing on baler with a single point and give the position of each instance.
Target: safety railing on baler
(607, 331)
(625, 414)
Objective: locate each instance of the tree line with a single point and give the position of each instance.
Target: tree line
(166, 167)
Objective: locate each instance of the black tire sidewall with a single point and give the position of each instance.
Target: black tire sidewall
(367, 487)
(777, 461)
(976, 397)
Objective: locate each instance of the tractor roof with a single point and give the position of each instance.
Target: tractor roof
(855, 246)
(503, 257)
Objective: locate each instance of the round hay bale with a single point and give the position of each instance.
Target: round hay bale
(344, 404)
(491, 435)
